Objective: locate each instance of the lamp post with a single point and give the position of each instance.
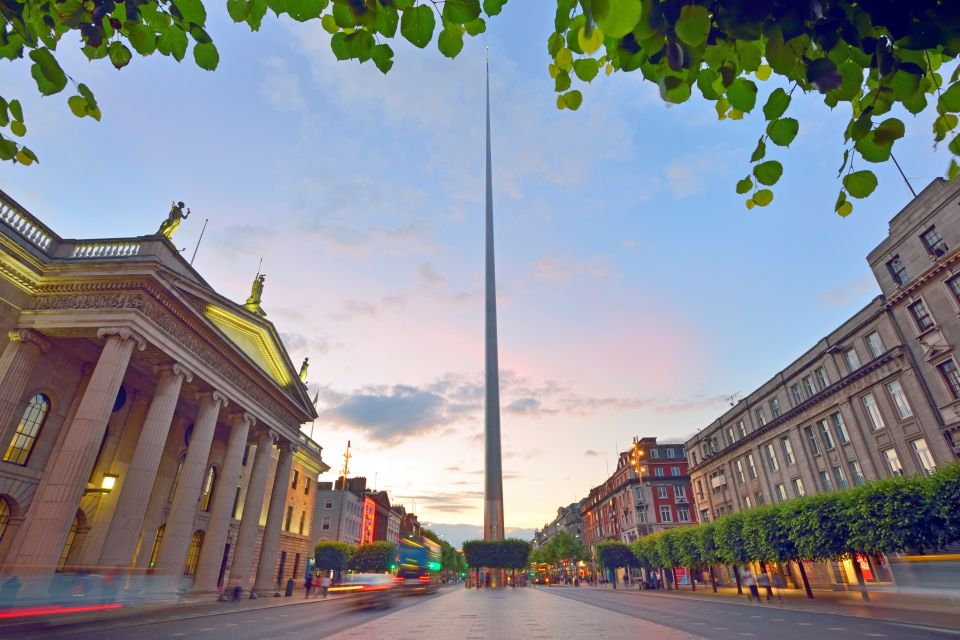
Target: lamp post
(107, 484)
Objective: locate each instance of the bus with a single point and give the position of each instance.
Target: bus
(418, 564)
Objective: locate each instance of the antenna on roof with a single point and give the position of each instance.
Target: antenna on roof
(733, 399)
(205, 221)
(903, 175)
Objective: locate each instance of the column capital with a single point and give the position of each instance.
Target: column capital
(238, 419)
(126, 333)
(29, 335)
(176, 369)
(220, 398)
(287, 445)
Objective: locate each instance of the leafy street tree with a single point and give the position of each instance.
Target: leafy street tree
(333, 556)
(877, 59)
(615, 555)
(728, 532)
(375, 557)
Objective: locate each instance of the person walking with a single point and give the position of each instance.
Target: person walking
(324, 585)
(763, 580)
(308, 584)
(751, 583)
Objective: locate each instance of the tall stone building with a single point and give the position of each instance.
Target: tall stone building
(877, 397)
(147, 423)
(568, 520)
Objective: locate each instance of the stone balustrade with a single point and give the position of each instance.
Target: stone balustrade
(111, 249)
(25, 225)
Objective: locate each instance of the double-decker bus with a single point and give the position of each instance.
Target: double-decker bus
(418, 566)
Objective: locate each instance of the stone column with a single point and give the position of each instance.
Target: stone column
(271, 533)
(121, 539)
(16, 363)
(252, 505)
(211, 555)
(183, 512)
(57, 497)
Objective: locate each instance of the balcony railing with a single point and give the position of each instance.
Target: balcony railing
(117, 249)
(23, 224)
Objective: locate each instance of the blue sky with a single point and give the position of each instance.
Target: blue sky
(636, 290)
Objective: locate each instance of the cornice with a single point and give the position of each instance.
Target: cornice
(939, 266)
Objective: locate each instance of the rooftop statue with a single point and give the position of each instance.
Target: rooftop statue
(168, 226)
(303, 369)
(256, 292)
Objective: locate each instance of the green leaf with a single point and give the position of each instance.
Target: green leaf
(564, 59)
(750, 55)
(382, 56)
(742, 94)
(744, 185)
(844, 208)
(871, 151)
(342, 14)
(953, 170)
(77, 105)
(258, 9)
(860, 184)
(450, 41)
(617, 18)
(776, 104)
(476, 27)
(674, 90)
(329, 24)
(693, 27)
(760, 151)
(119, 54)
(783, 131)
(950, 100)
(338, 44)
(144, 40)
(417, 25)
(46, 71)
(768, 172)
(763, 197)
(461, 11)
(25, 156)
(573, 99)
(18, 128)
(206, 55)
(493, 7)
(192, 11)
(17, 111)
(586, 68)
(238, 10)
(889, 130)
(173, 42)
(954, 145)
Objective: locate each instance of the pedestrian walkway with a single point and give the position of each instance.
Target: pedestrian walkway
(506, 614)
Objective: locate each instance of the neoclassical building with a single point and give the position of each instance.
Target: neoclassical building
(147, 423)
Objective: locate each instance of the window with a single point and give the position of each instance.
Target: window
(853, 360)
(679, 492)
(21, 445)
(296, 478)
(303, 515)
(873, 412)
(658, 470)
(899, 399)
(808, 386)
(306, 487)
(751, 467)
(840, 477)
(236, 505)
(286, 526)
(662, 491)
(642, 516)
(787, 448)
(156, 548)
(780, 493)
(874, 344)
(683, 514)
(822, 380)
(758, 497)
(246, 454)
(897, 271)
(328, 505)
(747, 502)
(705, 515)
(193, 553)
(842, 436)
(825, 482)
(825, 436)
(892, 460)
(738, 467)
(4, 516)
(954, 284)
(700, 489)
(325, 524)
(798, 489)
(951, 376)
(693, 458)
(654, 453)
(209, 484)
(775, 408)
(812, 440)
(920, 315)
(665, 515)
(669, 453)
(741, 429)
(176, 476)
(933, 241)
(795, 394)
(674, 471)
(772, 463)
(68, 545)
(920, 450)
(730, 437)
(761, 419)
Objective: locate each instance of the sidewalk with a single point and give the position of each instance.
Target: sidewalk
(506, 614)
(912, 607)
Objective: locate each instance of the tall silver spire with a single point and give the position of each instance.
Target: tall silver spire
(493, 489)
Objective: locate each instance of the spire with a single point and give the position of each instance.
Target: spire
(493, 489)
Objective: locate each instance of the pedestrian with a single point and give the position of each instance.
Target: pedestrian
(763, 580)
(325, 585)
(778, 583)
(308, 583)
(751, 583)
(237, 590)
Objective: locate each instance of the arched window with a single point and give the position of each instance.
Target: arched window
(156, 548)
(69, 543)
(208, 487)
(193, 554)
(176, 477)
(20, 447)
(4, 516)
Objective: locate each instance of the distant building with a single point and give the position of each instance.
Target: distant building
(568, 520)
(365, 516)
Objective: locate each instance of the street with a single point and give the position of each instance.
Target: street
(553, 612)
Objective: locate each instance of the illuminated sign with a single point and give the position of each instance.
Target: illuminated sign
(369, 516)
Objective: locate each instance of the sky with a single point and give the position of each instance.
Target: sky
(636, 292)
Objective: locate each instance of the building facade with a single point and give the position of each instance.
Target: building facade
(569, 520)
(147, 421)
(357, 515)
(877, 397)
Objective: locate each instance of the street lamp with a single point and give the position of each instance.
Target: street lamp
(637, 455)
(106, 485)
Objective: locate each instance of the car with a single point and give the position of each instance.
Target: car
(368, 589)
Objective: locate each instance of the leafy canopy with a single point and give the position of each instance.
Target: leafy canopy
(878, 59)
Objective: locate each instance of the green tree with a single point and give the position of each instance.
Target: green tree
(943, 494)
(375, 557)
(332, 555)
(615, 555)
(728, 533)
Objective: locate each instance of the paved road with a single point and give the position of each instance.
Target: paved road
(726, 620)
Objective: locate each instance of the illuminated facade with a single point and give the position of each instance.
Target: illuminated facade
(147, 422)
